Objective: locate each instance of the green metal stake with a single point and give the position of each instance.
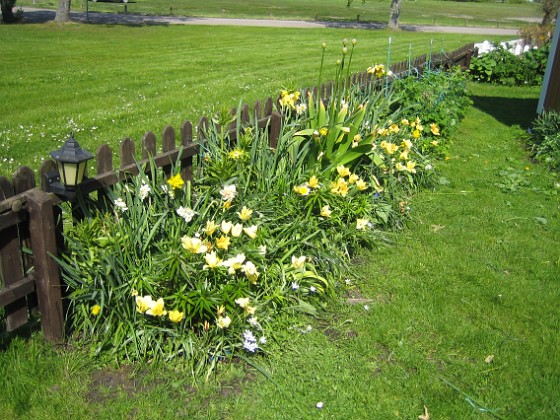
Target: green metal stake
(430, 59)
(409, 59)
(388, 66)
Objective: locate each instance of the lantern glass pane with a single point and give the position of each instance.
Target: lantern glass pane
(70, 174)
(81, 172)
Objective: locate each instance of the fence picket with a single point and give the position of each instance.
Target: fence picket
(186, 141)
(127, 152)
(104, 159)
(11, 265)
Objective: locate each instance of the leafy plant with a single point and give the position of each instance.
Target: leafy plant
(501, 66)
(544, 139)
(162, 268)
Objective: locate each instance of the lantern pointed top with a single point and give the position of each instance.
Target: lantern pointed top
(71, 152)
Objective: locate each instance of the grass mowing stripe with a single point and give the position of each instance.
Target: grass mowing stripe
(106, 83)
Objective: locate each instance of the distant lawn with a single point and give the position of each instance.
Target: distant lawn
(106, 83)
(426, 12)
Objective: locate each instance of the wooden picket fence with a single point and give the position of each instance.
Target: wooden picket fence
(31, 228)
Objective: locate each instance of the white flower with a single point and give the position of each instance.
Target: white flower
(234, 263)
(228, 192)
(144, 191)
(262, 250)
(249, 341)
(428, 167)
(170, 192)
(366, 307)
(186, 213)
(251, 232)
(236, 230)
(262, 340)
(249, 336)
(301, 108)
(295, 286)
(253, 321)
(298, 262)
(319, 404)
(348, 281)
(120, 204)
(361, 224)
(312, 289)
(226, 226)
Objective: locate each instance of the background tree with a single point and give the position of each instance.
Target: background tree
(394, 13)
(7, 10)
(550, 9)
(63, 11)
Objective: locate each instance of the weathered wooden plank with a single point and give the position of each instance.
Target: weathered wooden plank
(168, 144)
(187, 141)
(268, 107)
(104, 159)
(245, 118)
(17, 290)
(12, 218)
(24, 179)
(47, 278)
(11, 262)
(149, 147)
(47, 167)
(258, 110)
(128, 152)
(275, 129)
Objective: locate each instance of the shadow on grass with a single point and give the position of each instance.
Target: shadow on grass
(509, 111)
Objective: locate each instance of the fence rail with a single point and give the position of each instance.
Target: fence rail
(31, 228)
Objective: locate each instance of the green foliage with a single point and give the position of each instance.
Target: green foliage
(544, 139)
(203, 271)
(438, 97)
(501, 66)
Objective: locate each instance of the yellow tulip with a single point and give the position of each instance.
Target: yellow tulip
(176, 316)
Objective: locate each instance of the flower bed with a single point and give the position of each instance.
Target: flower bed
(162, 269)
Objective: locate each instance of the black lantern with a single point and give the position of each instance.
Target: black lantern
(71, 160)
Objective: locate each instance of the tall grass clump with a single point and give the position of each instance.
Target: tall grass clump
(544, 139)
(163, 268)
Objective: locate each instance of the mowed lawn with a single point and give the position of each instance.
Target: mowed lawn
(106, 83)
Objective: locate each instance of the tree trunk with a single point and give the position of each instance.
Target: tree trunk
(63, 11)
(7, 11)
(395, 11)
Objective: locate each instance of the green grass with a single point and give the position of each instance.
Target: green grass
(473, 275)
(107, 83)
(425, 12)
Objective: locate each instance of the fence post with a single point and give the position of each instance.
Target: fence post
(47, 278)
(275, 128)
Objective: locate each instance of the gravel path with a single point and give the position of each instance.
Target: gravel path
(32, 15)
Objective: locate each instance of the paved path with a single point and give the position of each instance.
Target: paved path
(32, 15)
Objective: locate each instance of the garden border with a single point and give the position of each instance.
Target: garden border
(31, 219)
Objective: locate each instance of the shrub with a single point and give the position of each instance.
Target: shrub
(501, 66)
(437, 96)
(544, 139)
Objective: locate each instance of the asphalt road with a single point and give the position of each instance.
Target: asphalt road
(32, 15)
